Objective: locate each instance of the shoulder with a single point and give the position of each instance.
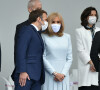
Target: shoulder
(97, 29)
(45, 38)
(80, 29)
(44, 35)
(98, 33)
(25, 29)
(97, 36)
(67, 35)
(22, 24)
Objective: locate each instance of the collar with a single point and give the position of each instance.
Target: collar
(35, 27)
(90, 28)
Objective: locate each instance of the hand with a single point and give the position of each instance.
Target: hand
(90, 62)
(56, 79)
(92, 68)
(22, 78)
(59, 77)
(54, 73)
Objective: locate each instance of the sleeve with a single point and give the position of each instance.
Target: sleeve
(48, 67)
(95, 50)
(22, 42)
(17, 29)
(81, 52)
(68, 58)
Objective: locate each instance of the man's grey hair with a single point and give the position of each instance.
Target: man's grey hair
(31, 3)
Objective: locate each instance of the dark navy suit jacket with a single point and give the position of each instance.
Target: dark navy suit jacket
(18, 27)
(25, 23)
(28, 53)
(95, 50)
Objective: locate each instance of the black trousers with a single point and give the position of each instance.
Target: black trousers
(89, 88)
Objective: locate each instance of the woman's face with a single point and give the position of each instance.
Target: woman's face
(56, 21)
(93, 13)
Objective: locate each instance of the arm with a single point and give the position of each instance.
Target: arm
(47, 65)
(18, 27)
(95, 50)
(15, 37)
(21, 45)
(84, 56)
(68, 58)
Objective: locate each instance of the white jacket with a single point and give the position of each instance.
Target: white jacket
(84, 42)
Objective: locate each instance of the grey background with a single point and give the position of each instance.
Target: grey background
(13, 12)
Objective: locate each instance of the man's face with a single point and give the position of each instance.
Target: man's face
(41, 20)
(38, 5)
(44, 17)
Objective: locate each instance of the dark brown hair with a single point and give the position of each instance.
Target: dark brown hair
(43, 11)
(35, 14)
(85, 14)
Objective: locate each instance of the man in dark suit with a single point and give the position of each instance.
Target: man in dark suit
(94, 54)
(32, 5)
(29, 72)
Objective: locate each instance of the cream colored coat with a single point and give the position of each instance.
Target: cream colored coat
(84, 42)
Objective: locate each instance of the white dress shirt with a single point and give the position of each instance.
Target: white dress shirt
(35, 27)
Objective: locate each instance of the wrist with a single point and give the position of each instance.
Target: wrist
(90, 62)
(22, 72)
(54, 73)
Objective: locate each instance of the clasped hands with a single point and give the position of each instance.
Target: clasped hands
(59, 77)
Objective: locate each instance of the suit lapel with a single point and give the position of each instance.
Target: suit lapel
(38, 35)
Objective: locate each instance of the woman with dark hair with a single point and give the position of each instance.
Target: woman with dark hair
(88, 77)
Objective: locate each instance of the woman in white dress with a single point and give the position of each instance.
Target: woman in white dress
(57, 54)
(87, 76)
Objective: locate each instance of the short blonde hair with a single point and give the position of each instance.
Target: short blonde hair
(49, 30)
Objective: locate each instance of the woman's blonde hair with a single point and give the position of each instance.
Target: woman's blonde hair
(49, 30)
